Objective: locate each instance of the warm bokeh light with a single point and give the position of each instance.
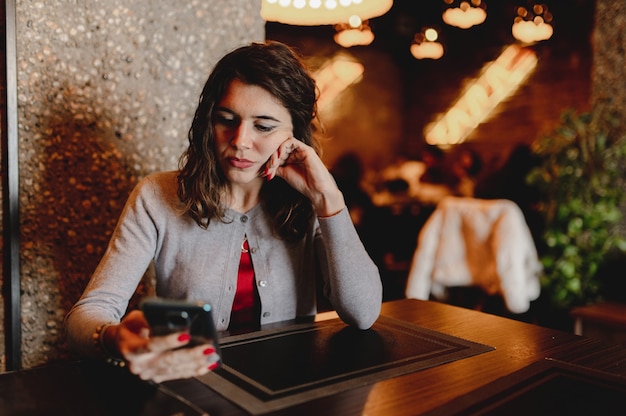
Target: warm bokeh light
(498, 80)
(354, 37)
(466, 15)
(530, 26)
(355, 21)
(326, 12)
(340, 72)
(427, 50)
(425, 45)
(530, 32)
(431, 34)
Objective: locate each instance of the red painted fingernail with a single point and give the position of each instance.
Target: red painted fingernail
(214, 366)
(208, 351)
(184, 337)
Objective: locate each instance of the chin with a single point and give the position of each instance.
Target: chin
(243, 177)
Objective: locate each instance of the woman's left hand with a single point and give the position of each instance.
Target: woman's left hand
(301, 167)
(162, 359)
(159, 358)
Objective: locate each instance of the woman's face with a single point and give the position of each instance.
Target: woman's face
(250, 124)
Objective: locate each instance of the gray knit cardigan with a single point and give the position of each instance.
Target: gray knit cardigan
(202, 264)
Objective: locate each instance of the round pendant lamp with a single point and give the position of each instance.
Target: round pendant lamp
(321, 12)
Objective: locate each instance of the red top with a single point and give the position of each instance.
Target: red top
(246, 307)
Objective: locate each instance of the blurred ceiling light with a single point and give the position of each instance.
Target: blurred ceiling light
(337, 74)
(532, 24)
(355, 33)
(425, 45)
(498, 80)
(321, 12)
(529, 32)
(466, 14)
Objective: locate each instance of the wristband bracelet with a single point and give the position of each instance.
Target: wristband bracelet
(98, 340)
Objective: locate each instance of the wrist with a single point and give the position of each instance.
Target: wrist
(109, 344)
(104, 341)
(329, 204)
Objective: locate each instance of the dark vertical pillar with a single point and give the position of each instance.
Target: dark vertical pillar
(10, 195)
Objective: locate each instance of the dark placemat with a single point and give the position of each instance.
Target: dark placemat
(270, 370)
(545, 388)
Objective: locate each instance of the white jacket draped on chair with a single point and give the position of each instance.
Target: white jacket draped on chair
(476, 242)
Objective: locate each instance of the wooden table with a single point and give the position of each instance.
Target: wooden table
(442, 389)
(517, 345)
(605, 320)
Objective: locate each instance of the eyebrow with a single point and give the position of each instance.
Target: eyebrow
(261, 117)
(268, 118)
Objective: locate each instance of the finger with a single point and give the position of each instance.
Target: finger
(287, 151)
(168, 342)
(176, 364)
(280, 157)
(271, 165)
(292, 147)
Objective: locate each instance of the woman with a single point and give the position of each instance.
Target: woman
(246, 224)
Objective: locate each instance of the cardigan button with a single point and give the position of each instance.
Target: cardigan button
(253, 250)
(266, 314)
(244, 218)
(263, 283)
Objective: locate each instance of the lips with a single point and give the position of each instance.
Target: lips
(240, 163)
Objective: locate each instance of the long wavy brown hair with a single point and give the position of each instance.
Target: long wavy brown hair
(276, 68)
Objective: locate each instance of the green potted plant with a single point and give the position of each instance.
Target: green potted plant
(579, 179)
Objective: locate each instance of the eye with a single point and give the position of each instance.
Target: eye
(264, 128)
(225, 119)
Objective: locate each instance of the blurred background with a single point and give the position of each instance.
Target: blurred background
(99, 94)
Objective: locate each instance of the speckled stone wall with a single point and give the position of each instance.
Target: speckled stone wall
(609, 40)
(106, 94)
(609, 70)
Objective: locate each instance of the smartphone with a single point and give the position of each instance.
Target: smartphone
(168, 315)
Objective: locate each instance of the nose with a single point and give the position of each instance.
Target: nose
(242, 137)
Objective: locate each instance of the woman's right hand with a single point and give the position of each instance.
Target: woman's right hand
(159, 358)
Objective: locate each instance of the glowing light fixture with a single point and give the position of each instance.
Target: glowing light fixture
(498, 80)
(355, 33)
(321, 12)
(339, 73)
(425, 45)
(466, 14)
(533, 24)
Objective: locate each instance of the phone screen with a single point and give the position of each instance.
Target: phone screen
(166, 316)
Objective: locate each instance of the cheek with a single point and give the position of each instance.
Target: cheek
(266, 147)
(219, 134)
(220, 139)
